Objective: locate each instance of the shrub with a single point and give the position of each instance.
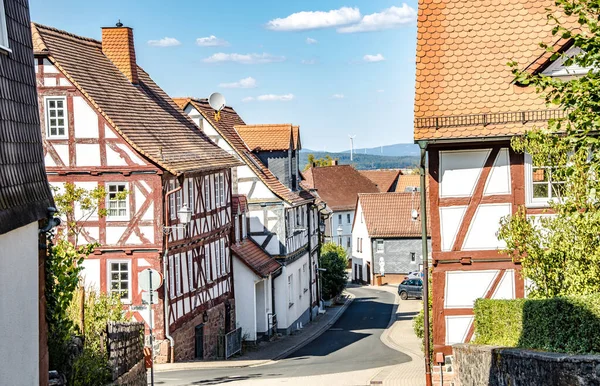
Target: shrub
(334, 260)
(564, 324)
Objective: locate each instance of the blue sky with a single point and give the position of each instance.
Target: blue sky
(333, 67)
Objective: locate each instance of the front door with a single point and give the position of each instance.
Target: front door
(368, 273)
(199, 335)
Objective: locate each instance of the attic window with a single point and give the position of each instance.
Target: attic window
(3, 29)
(558, 69)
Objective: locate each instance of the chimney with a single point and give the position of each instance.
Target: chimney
(117, 45)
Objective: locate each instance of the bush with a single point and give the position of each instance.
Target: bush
(564, 324)
(334, 260)
(90, 369)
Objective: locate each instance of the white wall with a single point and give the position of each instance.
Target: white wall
(287, 315)
(361, 258)
(19, 302)
(346, 228)
(245, 298)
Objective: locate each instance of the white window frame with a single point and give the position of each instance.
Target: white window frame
(530, 201)
(290, 290)
(47, 100)
(223, 257)
(221, 188)
(191, 273)
(126, 300)
(127, 209)
(177, 271)
(190, 191)
(348, 218)
(378, 243)
(207, 195)
(4, 46)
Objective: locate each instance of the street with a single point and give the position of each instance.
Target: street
(349, 353)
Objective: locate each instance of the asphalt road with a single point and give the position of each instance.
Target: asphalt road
(351, 344)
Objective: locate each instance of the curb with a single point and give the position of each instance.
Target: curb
(317, 333)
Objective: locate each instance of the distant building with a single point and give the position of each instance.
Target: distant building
(385, 179)
(385, 232)
(24, 200)
(338, 186)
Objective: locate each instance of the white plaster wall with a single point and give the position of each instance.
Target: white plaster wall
(498, 181)
(19, 302)
(245, 298)
(450, 220)
(63, 152)
(464, 287)
(457, 328)
(49, 67)
(87, 155)
(91, 273)
(360, 231)
(484, 227)
(460, 170)
(85, 119)
(346, 228)
(286, 315)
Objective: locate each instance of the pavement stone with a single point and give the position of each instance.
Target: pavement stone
(401, 337)
(268, 352)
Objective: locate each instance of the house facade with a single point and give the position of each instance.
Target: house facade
(387, 238)
(338, 187)
(467, 108)
(24, 201)
(281, 220)
(106, 124)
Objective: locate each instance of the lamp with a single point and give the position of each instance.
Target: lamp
(414, 214)
(184, 214)
(322, 226)
(339, 231)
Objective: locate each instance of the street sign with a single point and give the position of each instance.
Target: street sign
(144, 279)
(146, 297)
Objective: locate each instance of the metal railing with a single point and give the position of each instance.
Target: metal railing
(489, 119)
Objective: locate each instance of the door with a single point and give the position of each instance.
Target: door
(199, 335)
(368, 273)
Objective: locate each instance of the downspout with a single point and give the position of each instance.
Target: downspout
(425, 257)
(308, 215)
(165, 289)
(274, 276)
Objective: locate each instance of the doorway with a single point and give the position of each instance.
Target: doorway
(368, 273)
(199, 338)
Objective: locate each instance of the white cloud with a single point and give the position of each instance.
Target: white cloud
(337, 96)
(309, 61)
(248, 82)
(373, 58)
(244, 58)
(164, 42)
(270, 98)
(308, 20)
(311, 41)
(212, 41)
(380, 90)
(392, 17)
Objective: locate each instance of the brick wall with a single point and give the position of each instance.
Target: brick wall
(137, 376)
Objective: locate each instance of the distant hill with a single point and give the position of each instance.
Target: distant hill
(364, 161)
(397, 150)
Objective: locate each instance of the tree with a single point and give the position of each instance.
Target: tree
(560, 254)
(318, 162)
(334, 260)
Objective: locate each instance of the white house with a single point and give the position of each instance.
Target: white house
(282, 218)
(24, 200)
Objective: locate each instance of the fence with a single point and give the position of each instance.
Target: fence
(124, 345)
(233, 342)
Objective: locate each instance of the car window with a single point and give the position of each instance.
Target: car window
(419, 283)
(411, 282)
(405, 282)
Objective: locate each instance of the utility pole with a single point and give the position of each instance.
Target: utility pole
(351, 146)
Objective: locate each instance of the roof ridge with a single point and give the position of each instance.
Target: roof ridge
(205, 100)
(68, 34)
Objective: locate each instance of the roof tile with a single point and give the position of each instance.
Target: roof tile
(389, 214)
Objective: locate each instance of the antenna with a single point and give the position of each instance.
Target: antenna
(351, 146)
(217, 102)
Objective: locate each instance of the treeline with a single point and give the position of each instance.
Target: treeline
(364, 161)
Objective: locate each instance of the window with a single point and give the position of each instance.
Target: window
(221, 189)
(3, 31)
(190, 264)
(223, 257)
(357, 242)
(340, 219)
(207, 195)
(299, 284)
(119, 279)
(290, 290)
(348, 240)
(362, 218)
(305, 277)
(379, 244)
(412, 257)
(542, 184)
(348, 220)
(191, 201)
(56, 118)
(177, 268)
(117, 203)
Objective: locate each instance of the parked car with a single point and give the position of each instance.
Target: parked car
(414, 275)
(411, 288)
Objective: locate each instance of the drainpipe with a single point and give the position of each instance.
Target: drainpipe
(274, 275)
(423, 146)
(165, 270)
(309, 208)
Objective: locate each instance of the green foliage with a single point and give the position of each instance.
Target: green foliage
(561, 254)
(419, 322)
(334, 260)
(365, 161)
(319, 162)
(90, 369)
(563, 324)
(99, 308)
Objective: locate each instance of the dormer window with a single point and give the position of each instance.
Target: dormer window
(3, 29)
(558, 69)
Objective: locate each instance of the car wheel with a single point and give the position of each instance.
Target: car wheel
(403, 295)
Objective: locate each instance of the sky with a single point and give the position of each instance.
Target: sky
(335, 68)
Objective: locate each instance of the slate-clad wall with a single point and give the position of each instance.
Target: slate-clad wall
(278, 164)
(397, 255)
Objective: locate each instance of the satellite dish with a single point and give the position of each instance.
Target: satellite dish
(216, 101)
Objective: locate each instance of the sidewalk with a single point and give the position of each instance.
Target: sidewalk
(267, 352)
(401, 337)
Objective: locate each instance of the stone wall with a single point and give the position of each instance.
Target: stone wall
(137, 376)
(496, 366)
(213, 328)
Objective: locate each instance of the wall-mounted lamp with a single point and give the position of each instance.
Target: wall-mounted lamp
(185, 216)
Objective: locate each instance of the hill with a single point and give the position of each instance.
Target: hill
(364, 161)
(396, 150)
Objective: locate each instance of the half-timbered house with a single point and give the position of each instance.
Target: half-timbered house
(282, 218)
(467, 108)
(106, 123)
(24, 201)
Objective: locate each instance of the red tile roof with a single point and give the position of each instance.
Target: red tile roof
(143, 114)
(225, 127)
(338, 185)
(463, 48)
(269, 137)
(409, 181)
(255, 258)
(239, 204)
(388, 215)
(385, 179)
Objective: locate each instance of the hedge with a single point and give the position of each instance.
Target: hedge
(565, 324)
